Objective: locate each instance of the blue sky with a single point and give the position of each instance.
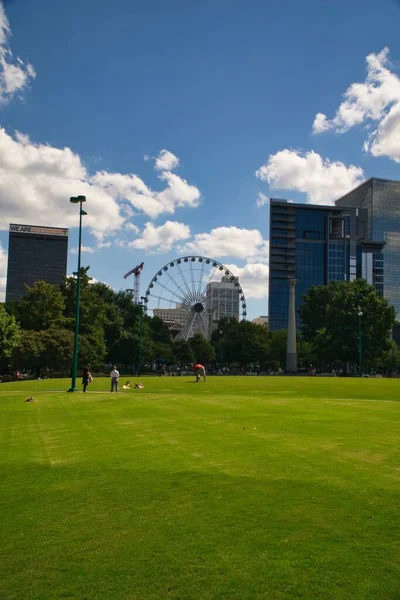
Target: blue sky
(227, 88)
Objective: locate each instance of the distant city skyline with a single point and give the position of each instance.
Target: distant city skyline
(179, 133)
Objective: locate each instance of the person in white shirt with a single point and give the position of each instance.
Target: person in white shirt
(114, 379)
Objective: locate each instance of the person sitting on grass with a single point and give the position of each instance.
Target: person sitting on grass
(139, 386)
(126, 386)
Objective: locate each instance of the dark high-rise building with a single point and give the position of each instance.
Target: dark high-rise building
(381, 199)
(317, 245)
(34, 254)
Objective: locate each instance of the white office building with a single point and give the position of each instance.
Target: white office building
(172, 315)
(223, 298)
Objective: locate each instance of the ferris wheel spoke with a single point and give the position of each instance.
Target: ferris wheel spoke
(161, 298)
(183, 279)
(181, 298)
(201, 279)
(179, 288)
(192, 278)
(186, 330)
(204, 324)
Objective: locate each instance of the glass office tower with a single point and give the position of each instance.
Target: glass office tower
(381, 199)
(317, 245)
(35, 253)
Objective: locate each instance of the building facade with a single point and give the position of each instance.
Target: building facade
(263, 320)
(317, 245)
(172, 315)
(34, 254)
(381, 199)
(223, 298)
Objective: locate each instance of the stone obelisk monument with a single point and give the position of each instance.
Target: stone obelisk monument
(291, 351)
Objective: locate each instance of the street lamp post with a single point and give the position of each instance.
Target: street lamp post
(77, 200)
(140, 335)
(360, 361)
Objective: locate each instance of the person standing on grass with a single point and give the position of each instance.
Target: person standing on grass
(114, 379)
(85, 378)
(199, 370)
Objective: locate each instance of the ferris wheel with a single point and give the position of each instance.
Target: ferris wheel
(192, 293)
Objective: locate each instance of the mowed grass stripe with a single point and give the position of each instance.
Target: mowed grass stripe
(239, 488)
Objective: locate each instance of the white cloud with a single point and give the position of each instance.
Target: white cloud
(377, 100)
(3, 273)
(321, 124)
(86, 249)
(253, 278)
(178, 192)
(262, 199)
(161, 239)
(131, 227)
(321, 179)
(104, 244)
(36, 181)
(166, 161)
(247, 244)
(15, 75)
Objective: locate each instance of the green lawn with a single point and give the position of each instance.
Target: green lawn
(242, 488)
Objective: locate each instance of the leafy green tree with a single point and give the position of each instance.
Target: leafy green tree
(244, 343)
(162, 351)
(27, 354)
(92, 350)
(56, 347)
(10, 334)
(202, 349)
(159, 331)
(330, 319)
(277, 348)
(42, 308)
(183, 352)
(389, 361)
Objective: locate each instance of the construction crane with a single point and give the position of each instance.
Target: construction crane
(136, 273)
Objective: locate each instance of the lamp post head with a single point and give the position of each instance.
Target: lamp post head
(74, 200)
(81, 198)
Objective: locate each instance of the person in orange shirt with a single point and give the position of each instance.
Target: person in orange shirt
(199, 370)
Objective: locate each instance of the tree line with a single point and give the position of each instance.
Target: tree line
(36, 333)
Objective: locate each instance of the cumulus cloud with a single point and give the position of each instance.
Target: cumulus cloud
(247, 244)
(177, 193)
(3, 273)
(166, 161)
(36, 181)
(15, 75)
(262, 199)
(253, 278)
(321, 179)
(86, 249)
(321, 124)
(131, 227)
(376, 100)
(161, 239)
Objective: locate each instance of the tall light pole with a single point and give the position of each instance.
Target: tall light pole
(77, 200)
(142, 306)
(360, 361)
